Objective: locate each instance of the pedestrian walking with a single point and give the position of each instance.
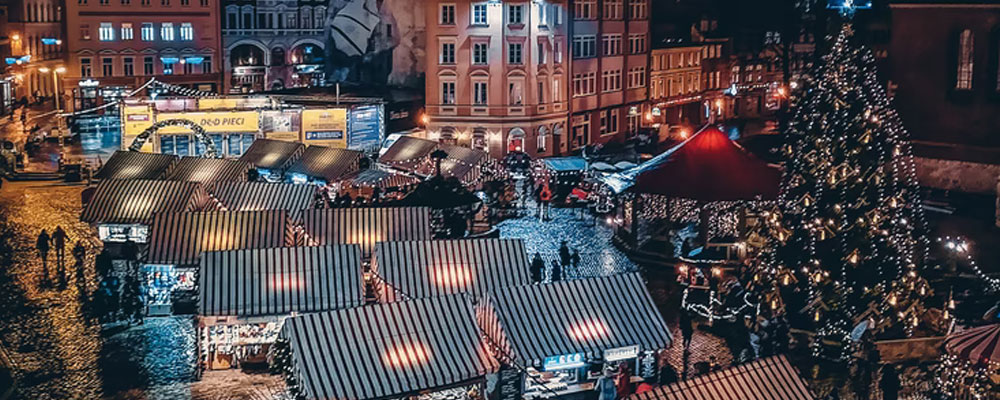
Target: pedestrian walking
(666, 374)
(537, 268)
(564, 255)
(42, 244)
(687, 331)
(605, 386)
(575, 260)
(624, 385)
(79, 252)
(59, 241)
(556, 271)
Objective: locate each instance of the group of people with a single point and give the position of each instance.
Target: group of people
(567, 258)
(57, 240)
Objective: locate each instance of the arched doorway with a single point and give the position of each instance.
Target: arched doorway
(515, 140)
(211, 150)
(308, 60)
(248, 68)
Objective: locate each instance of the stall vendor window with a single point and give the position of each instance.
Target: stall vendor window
(121, 233)
(175, 144)
(239, 143)
(216, 139)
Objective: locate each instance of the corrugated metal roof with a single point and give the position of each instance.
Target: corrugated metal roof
(327, 163)
(205, 170)
(136, 165)
(135, 201)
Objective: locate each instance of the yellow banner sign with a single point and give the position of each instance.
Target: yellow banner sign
(213, 122)
(136, 119)
(325, 127)
(232, 103)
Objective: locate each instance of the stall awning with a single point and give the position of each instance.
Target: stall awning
(585, 316)
(764, 379)
(255, 196)
(136, 165)
(366, 226)
(415, 269)
(277, 281)
(135, 201)
(207, 170)
(379, 178)
(388, 350)
(462, 163)
(272, 155)
(979, 345)
(179, 238)
(707, 167)
(326, 163)
(407, 153)
(565, 164)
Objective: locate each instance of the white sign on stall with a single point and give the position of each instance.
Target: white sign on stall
(621, 353)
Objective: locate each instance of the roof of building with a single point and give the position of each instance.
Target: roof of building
(366, 226)
(136, 165)
(380, 178)
(763, 379)
(135, 201)
(275, 155)
(180, 238)
(255, 196)
(206, 170)
(327, 163)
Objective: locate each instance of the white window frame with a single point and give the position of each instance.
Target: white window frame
(448, 88)
(584, 46)
(167, 31)
(480, 91)
(449, 18)
(638, 9)
(480, 53)
(187, 31)
(106, 32)
(515, 53)
(480, 19)
(613, 9)
(446, 51)
(515, 14)
(611, 80)
(611, 44)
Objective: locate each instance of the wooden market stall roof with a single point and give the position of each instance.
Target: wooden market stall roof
(412, 154)
(254, 196)
(771, 378)
(979, 346)
(272, 155)
(570, 317)
(408, 153)
(428, 268)
(707, 167)
(276, 281)
(207, 170)
(379, 178)
(327, 163)
(180, 238)
(135, 201)
(366, 226)
(136, 165)
(388, 350)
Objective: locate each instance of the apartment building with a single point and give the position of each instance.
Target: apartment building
(676, 90)
(114, 46)
(497, 75)
(36, 44)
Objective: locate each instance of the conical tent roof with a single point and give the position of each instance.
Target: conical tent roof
(980, 345)
(707, 167)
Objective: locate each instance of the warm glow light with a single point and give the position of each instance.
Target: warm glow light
(716, 271)
(43, 70)
(684, 133)
(425, 119)
(452, 276)
(16, 37)
(61, 70)
(682, 269)
(649, 116)
(406, 355)
(590, 329)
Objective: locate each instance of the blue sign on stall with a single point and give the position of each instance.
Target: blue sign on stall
(567, 361)
(365, 128)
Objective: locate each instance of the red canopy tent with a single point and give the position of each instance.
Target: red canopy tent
(707, 167)
(980, 345)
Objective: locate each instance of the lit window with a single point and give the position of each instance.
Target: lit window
(127, 31)
(167, 31)
(168, 68)
(147, 32)
(447, 14)
(479, 14)
(515, 92)
(187, 31)
(966, 42)
(515, 14)
(541, 144)
(515, 53)
(106, 32)
(480, 53)
(735, 75)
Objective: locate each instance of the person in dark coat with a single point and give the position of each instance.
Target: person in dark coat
(537, 268)
(556, 271)
(564, 256)
(687, 331)
(575, 260)
(79, 253)
(42, 244)
(59, 241)
(889, 383)
(667, 374)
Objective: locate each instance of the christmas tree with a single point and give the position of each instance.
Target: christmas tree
(846, 240)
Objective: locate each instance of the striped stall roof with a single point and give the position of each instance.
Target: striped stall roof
(254, 196)
(771, 378)
(569, 317)
(179, 238)
(136, 165)
(385, 350)
(366, 226)
(206, 170)
(327, 163)
(408, 152)
(276, 281)
(273, 155)
(135, 201)
(430, 268)
(379, 178)
(462, 163)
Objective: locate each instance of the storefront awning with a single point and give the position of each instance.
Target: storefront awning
(206, 170)
(136, 165)
(380, 179)
(763, 379)
(565, 164)
(326, 163)
(366, 226)
(388, 350)
(408, 153)
(278, 281)
(585, 316)
(462, 163)
(415, 269)
(179, 238)
(254, 196)
(272, 155)
(135, 201)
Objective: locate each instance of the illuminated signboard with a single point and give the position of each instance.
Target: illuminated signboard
(621, 353)
(213, 122)
(567, 361)
(328, 127)
(366, 128)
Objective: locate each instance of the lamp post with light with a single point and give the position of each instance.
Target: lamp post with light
(55, 81)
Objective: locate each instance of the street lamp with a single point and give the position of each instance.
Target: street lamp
(55, 81)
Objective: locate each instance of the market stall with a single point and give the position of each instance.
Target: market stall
(123, 209)
(566, 334)
(255, 196)
(177, 240)
(971, 367)
(246, 295)
(408, 153)
(207, 170)
(136, 165)
(365, 226)
(418, 349)
(390, 185)
(562, 174)
(762, 379)
(323, 165)
(272, 157)
(413, 155)
(428, 268)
